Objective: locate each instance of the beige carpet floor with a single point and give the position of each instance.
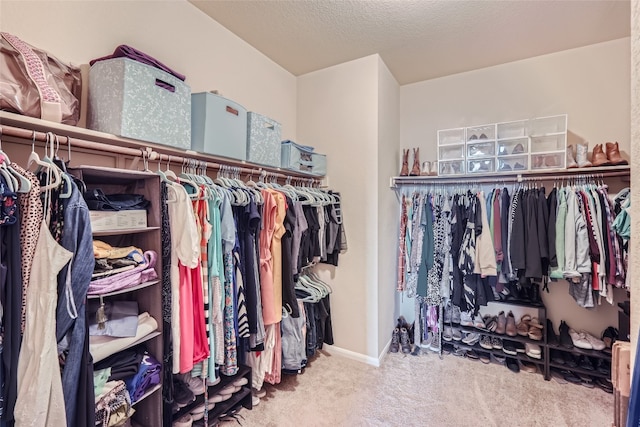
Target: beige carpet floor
(424, 391)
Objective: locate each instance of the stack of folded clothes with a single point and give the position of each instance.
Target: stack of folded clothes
(120, 268)
(98, 201)
(135, 367)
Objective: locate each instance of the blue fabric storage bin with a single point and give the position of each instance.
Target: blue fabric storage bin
(302, 158)
(263, 140)
(134, 100)
(218, 126)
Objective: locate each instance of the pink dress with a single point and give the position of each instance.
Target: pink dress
(269, 211)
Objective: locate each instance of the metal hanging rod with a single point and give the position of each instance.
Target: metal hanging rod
(584, 173)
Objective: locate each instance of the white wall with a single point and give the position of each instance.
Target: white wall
(388, 207)
(338, 114)
(590, 84)
(175, 32)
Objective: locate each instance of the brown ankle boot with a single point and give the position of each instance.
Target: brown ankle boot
(405, 162)
(415, 170)
(613, 154)
(598, 157)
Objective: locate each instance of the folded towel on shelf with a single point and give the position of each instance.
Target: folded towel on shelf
(102, 346)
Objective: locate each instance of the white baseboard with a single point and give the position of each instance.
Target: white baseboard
(384, 352)
(369, 360)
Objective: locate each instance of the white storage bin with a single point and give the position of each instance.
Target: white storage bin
(481, 149)
(134, 100)
(219, 126)
(451, 168)
(548, 125)
(548, 161)
(481, 166)
(303, 159)
(451, 152)
(513, 164)
(263, 140)
(479, 133)
(508, 147)
(451, 136)
(548, 143)
(517, 129)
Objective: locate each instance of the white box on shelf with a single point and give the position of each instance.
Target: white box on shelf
(117, 220)
(451, 136)
(219, 126)
(263, 140)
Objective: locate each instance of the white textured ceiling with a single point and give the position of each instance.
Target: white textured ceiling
(417, 39)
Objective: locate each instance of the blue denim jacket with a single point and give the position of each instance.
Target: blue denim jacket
(71, 318)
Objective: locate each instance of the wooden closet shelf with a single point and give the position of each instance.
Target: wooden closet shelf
(125, 290)
(124, 231)
(23, 127)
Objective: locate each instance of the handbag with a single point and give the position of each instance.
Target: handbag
(36, 84)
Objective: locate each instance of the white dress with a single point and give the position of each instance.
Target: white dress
(40, 401)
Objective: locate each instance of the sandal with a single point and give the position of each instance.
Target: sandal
(523, 327)
(535, 334)
(535, 323)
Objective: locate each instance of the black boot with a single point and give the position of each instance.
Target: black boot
(535, 293)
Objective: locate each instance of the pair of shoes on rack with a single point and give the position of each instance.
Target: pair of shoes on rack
(195, 384)
(518, 149)
(415, 170)
(530, 327)
(474, 137)
(608, 157)
(586, 341)
(578, 158)
(429, 168)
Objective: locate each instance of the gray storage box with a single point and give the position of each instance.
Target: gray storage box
(302, 158)
(134, 100)
(218, 126)
(263, 140)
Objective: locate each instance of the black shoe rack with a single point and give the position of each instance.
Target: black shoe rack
(545, 364)
(239, 398)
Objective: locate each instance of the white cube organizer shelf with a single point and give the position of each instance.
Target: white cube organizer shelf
(508, 147)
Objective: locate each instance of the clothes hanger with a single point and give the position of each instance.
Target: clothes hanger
(65, 189)
(184, 179)
(20, 183)
(52, 172)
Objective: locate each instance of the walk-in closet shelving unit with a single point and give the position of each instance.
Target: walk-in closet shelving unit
(148, 295)
(407, 185)
(19, 132)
